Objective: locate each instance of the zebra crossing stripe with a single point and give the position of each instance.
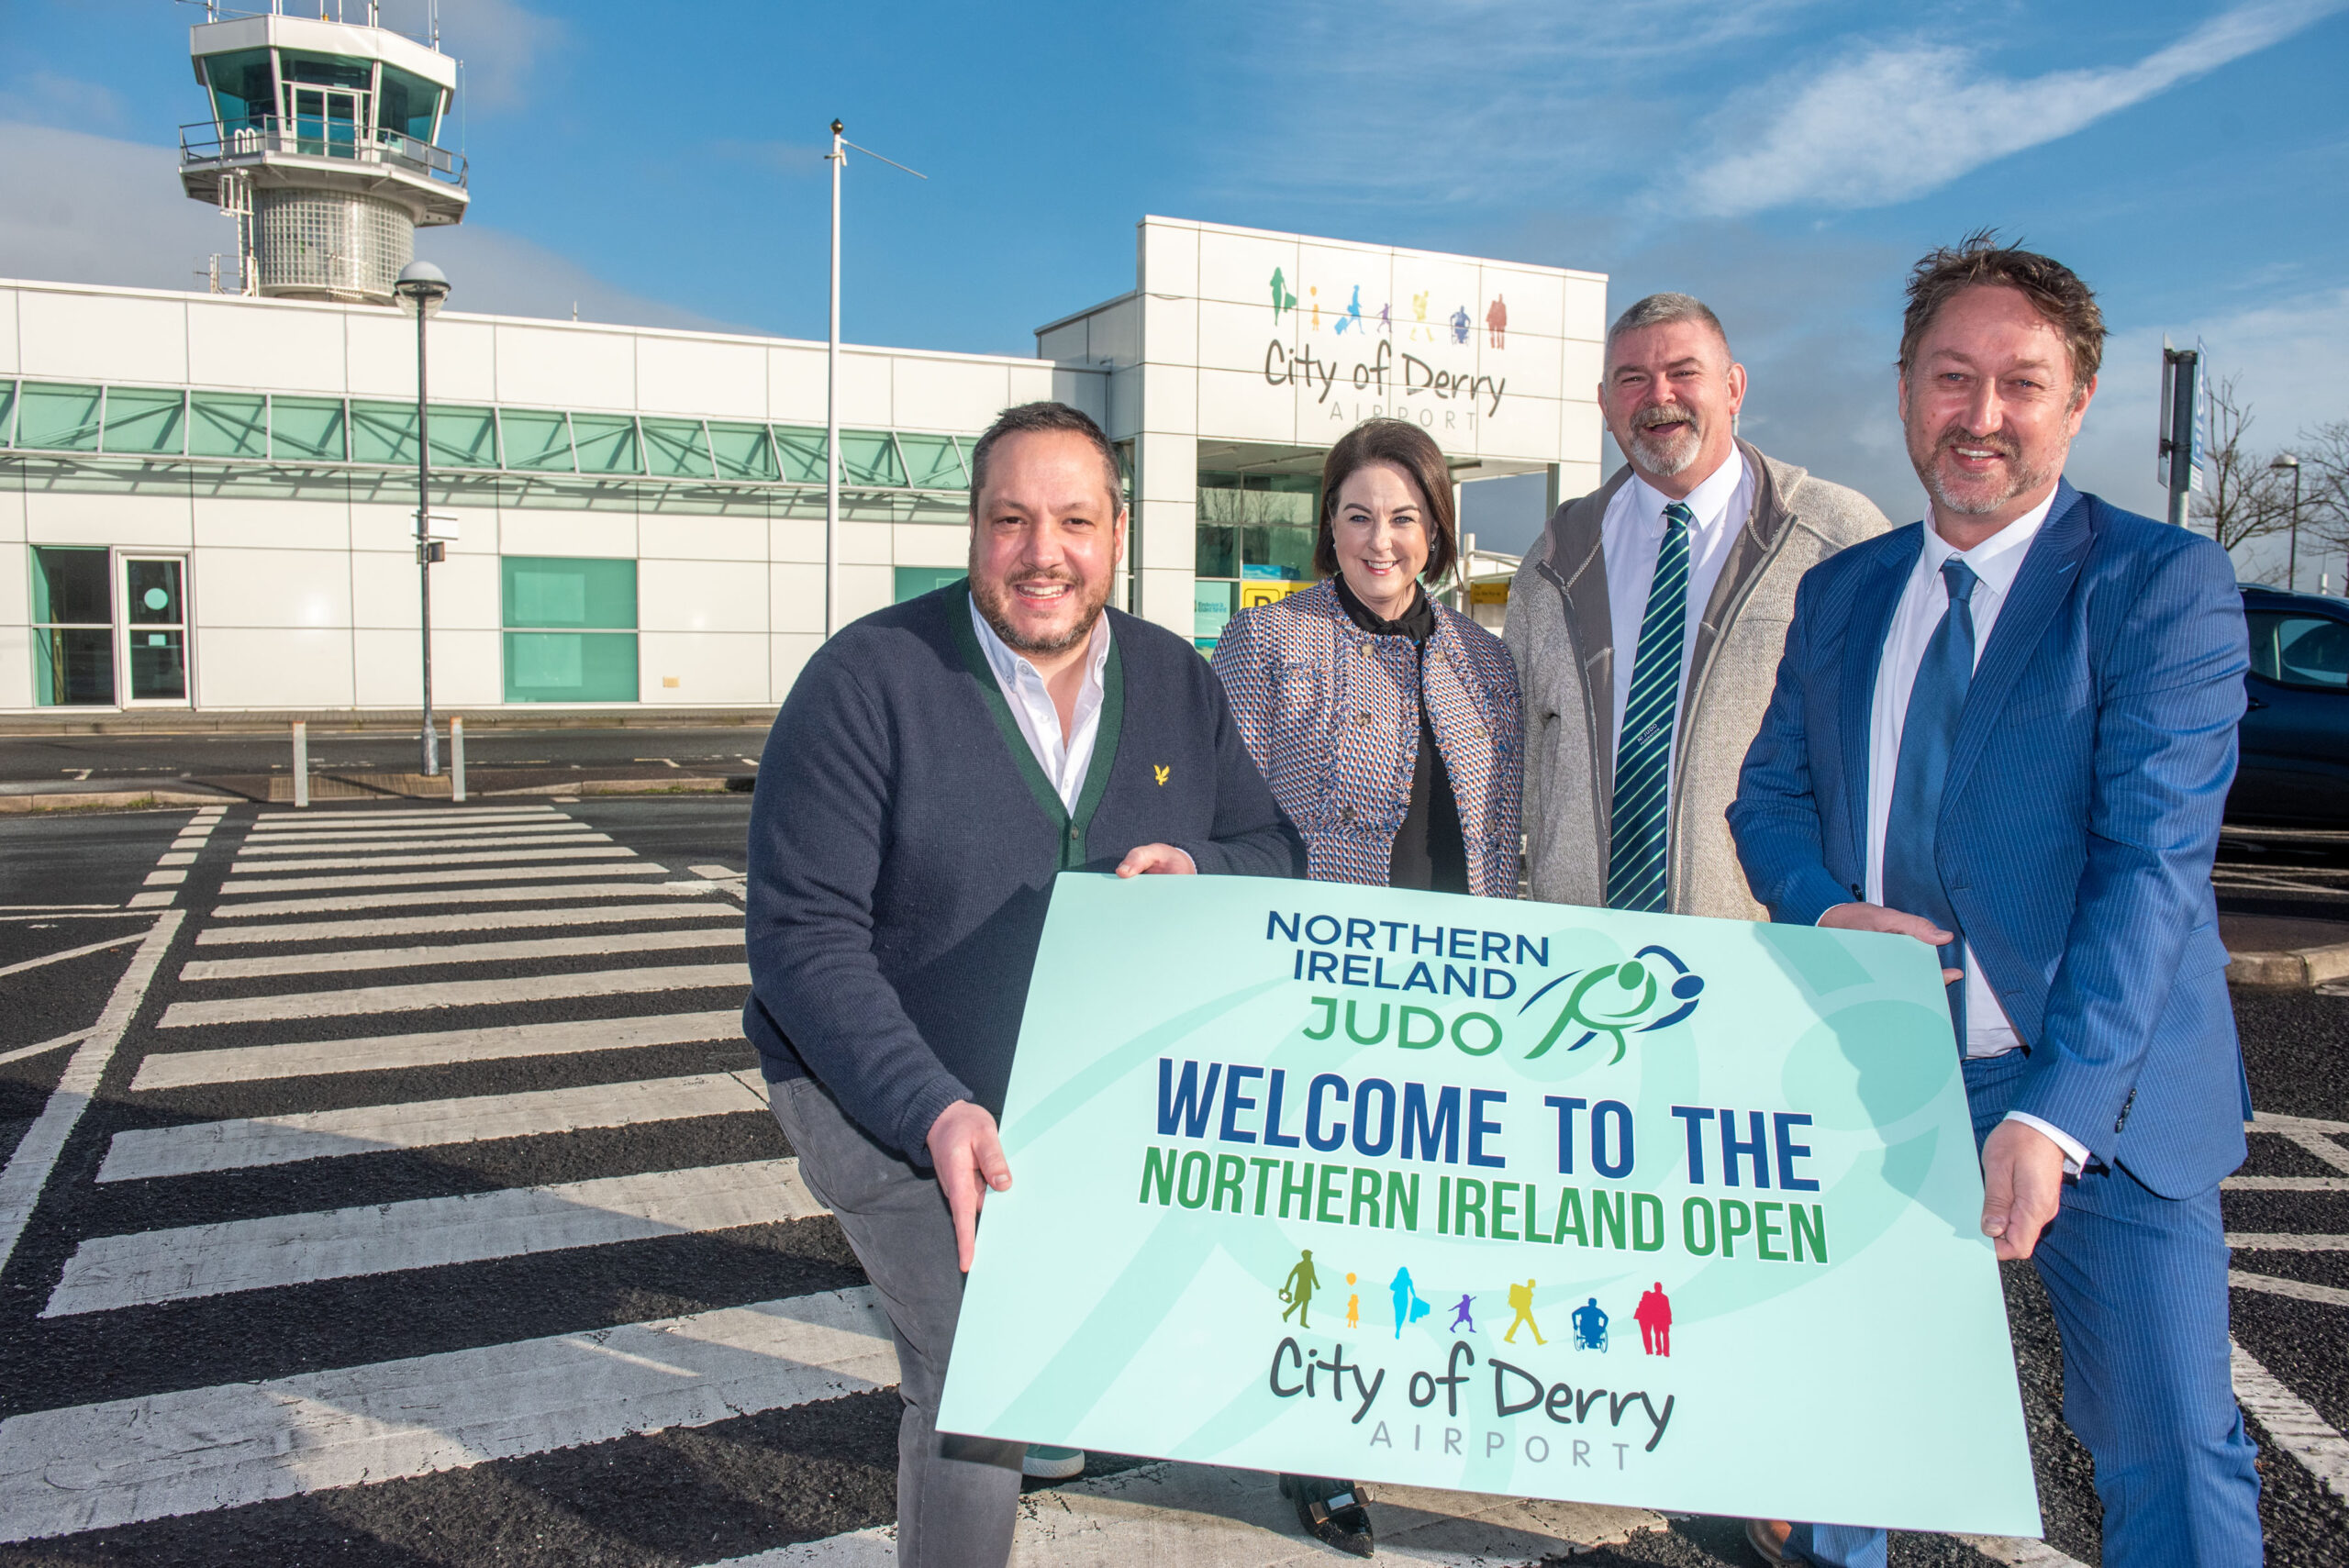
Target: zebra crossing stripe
(106, 1273)
(437, 994)
(2285, 1184)
(451, 953)
(2299, 1290)
(498, 856)
(491, 920)
(145, 1153)
(2287, 1241)
(557, 824)
(275, 884)
(340, 902)
(443, 1048)
(2291, 1422)
(128, 1461)
(579, 835)
(360, 822)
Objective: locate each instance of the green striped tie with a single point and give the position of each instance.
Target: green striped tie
(1638, 828)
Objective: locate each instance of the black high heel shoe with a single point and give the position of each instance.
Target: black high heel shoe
(1331, 1511)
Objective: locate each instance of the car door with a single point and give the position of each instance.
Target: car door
(2295, 732)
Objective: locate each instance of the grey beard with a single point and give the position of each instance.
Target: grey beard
(1667, 458)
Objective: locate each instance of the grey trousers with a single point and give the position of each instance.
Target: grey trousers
(956, 1497)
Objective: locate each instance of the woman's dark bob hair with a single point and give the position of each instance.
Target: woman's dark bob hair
(1411, 449)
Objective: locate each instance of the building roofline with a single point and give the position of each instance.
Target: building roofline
(1089, 310)
(1205, 227)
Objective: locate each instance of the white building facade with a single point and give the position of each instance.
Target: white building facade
(208, 501)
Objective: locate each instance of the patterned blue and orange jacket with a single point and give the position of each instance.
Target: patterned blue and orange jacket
(1330, 713)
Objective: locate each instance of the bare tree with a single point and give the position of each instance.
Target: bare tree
(2324, 485)
(2242, 500)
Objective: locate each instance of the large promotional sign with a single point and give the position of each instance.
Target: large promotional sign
(1496, 1197)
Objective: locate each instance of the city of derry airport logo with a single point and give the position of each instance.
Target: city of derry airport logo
(1401, 384)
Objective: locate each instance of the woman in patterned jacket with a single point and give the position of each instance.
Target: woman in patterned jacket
(1386, 725)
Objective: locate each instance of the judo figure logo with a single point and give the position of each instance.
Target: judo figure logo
(1618, 1000)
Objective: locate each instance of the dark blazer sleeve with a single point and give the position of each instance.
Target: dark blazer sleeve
(1251, 836)
(818, 828)
(1774, 818)
(2170, 695)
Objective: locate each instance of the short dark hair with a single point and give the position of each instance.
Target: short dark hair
(1414, 451)
(1661, 310)
(1029, 418)
(2053, 289)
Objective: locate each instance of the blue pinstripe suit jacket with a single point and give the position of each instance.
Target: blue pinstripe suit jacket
(2078, 820)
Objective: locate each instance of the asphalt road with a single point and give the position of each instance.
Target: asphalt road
(461, 1242)
(50, 758)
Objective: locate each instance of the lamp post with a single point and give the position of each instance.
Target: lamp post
(2292, 570)
(421, 289)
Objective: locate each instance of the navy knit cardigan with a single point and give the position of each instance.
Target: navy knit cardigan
(903, 845)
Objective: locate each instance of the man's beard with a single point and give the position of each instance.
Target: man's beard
(2021, 480)
(995, 604)
(1672, 454)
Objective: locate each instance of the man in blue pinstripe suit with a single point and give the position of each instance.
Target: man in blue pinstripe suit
(2008, 731)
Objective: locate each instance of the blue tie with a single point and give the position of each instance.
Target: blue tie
(1912, 883)
(1639, 828)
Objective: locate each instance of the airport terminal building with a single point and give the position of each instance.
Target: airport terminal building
(208, 501)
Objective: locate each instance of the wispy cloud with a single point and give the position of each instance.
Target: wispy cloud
(1890, 122)
(502, 44)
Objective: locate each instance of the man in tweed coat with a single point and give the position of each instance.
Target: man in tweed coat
(1688, 652)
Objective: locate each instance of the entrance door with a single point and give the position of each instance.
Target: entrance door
(326, 121)
(154, 630)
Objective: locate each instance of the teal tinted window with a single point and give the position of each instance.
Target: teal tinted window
(743, 452)
(563, 592)
(1210, 608)
(227, 424)
(383, 432)
(70, 587)
(72, 629)
(913, 582)
(870, 457)
(462, 437)
(307, 428)
(932, 463)
(326, 70)
(606, 443)
(409, 103)
(570, 666)
(676, 449)
(53, 417)
(535, 441)
(242, 91)
(140, 419)
(7, 410)
(802, 451)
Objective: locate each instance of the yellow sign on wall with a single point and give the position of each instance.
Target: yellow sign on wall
(1266, 591)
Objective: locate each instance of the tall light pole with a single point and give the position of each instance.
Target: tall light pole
(421, 289)
(838, 158)
(2292, 570)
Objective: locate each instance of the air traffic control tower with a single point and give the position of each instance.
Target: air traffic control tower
(324, 146)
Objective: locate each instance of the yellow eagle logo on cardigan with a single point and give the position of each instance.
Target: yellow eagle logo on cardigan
(1159, 771)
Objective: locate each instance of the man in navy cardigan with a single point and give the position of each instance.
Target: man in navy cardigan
(936, 765)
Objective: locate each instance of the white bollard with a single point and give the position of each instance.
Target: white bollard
(301, 764)
(457, 759)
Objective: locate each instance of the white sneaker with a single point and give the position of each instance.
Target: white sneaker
(1047, 1464)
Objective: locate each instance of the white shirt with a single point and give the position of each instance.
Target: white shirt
(1065, 759)
(1630, 535)
(1923, 602)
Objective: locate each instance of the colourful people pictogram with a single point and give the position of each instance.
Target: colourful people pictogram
(1496, 319)
(1419, 318)
(1462, 1314)
(1590, 1327)
(1313, 295)
(1408, 1308)
(1460, 325)
(1282, 299)
(1653, 1314)
(1353, 1305)
(1299, 1291)
(1521, 1299)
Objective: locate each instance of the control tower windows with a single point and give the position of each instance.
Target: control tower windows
(411, 106)
(244, 91)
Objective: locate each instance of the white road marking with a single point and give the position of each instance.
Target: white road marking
(489, 829)
(2287, 1241)
(2267, 1121)
(423, 878)
(490, 920)
(97, 1466)
(436, 897)
(442, 1048)
(2323, 1294)
(2321, 1145)
(23, 1053)
(36, 1153)
(340, 961)
(156, 900)
(106, 1273)
(2285, 1184)
(160, 878)
(2291, 1423)
(578, 835)
(147, 1153)
(2018, 1551)
(73, 952)
(367, 863)
(361, 821)
(175, 856)
(453, 994)
(716, 873)
(1203, 1516)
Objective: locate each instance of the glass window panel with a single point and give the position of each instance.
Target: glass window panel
(1217, 551)
(570, 666)
(2308, 651)
(1210, 608)
(54, 417)
(7, 410)
(73, 669)
(606, 443)
(743, 452)
(932, 463)
(408, 104)
(383, 432)
(538, 441)
(311, 427)
(1276, 553)
(869, 457)
(327, 69)
(803, 453)
(913, 582)
(71, 588)
(676, 449)
(159, 666)
(242, 93)
(463, 436)
(227, 424)
(143, 419)
(552, 591)
(151, 593)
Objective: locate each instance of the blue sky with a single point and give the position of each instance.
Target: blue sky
(1785, 159)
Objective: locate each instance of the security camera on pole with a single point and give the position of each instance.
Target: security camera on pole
(421, 289)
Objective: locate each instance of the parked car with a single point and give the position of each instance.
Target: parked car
(2295, 732)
